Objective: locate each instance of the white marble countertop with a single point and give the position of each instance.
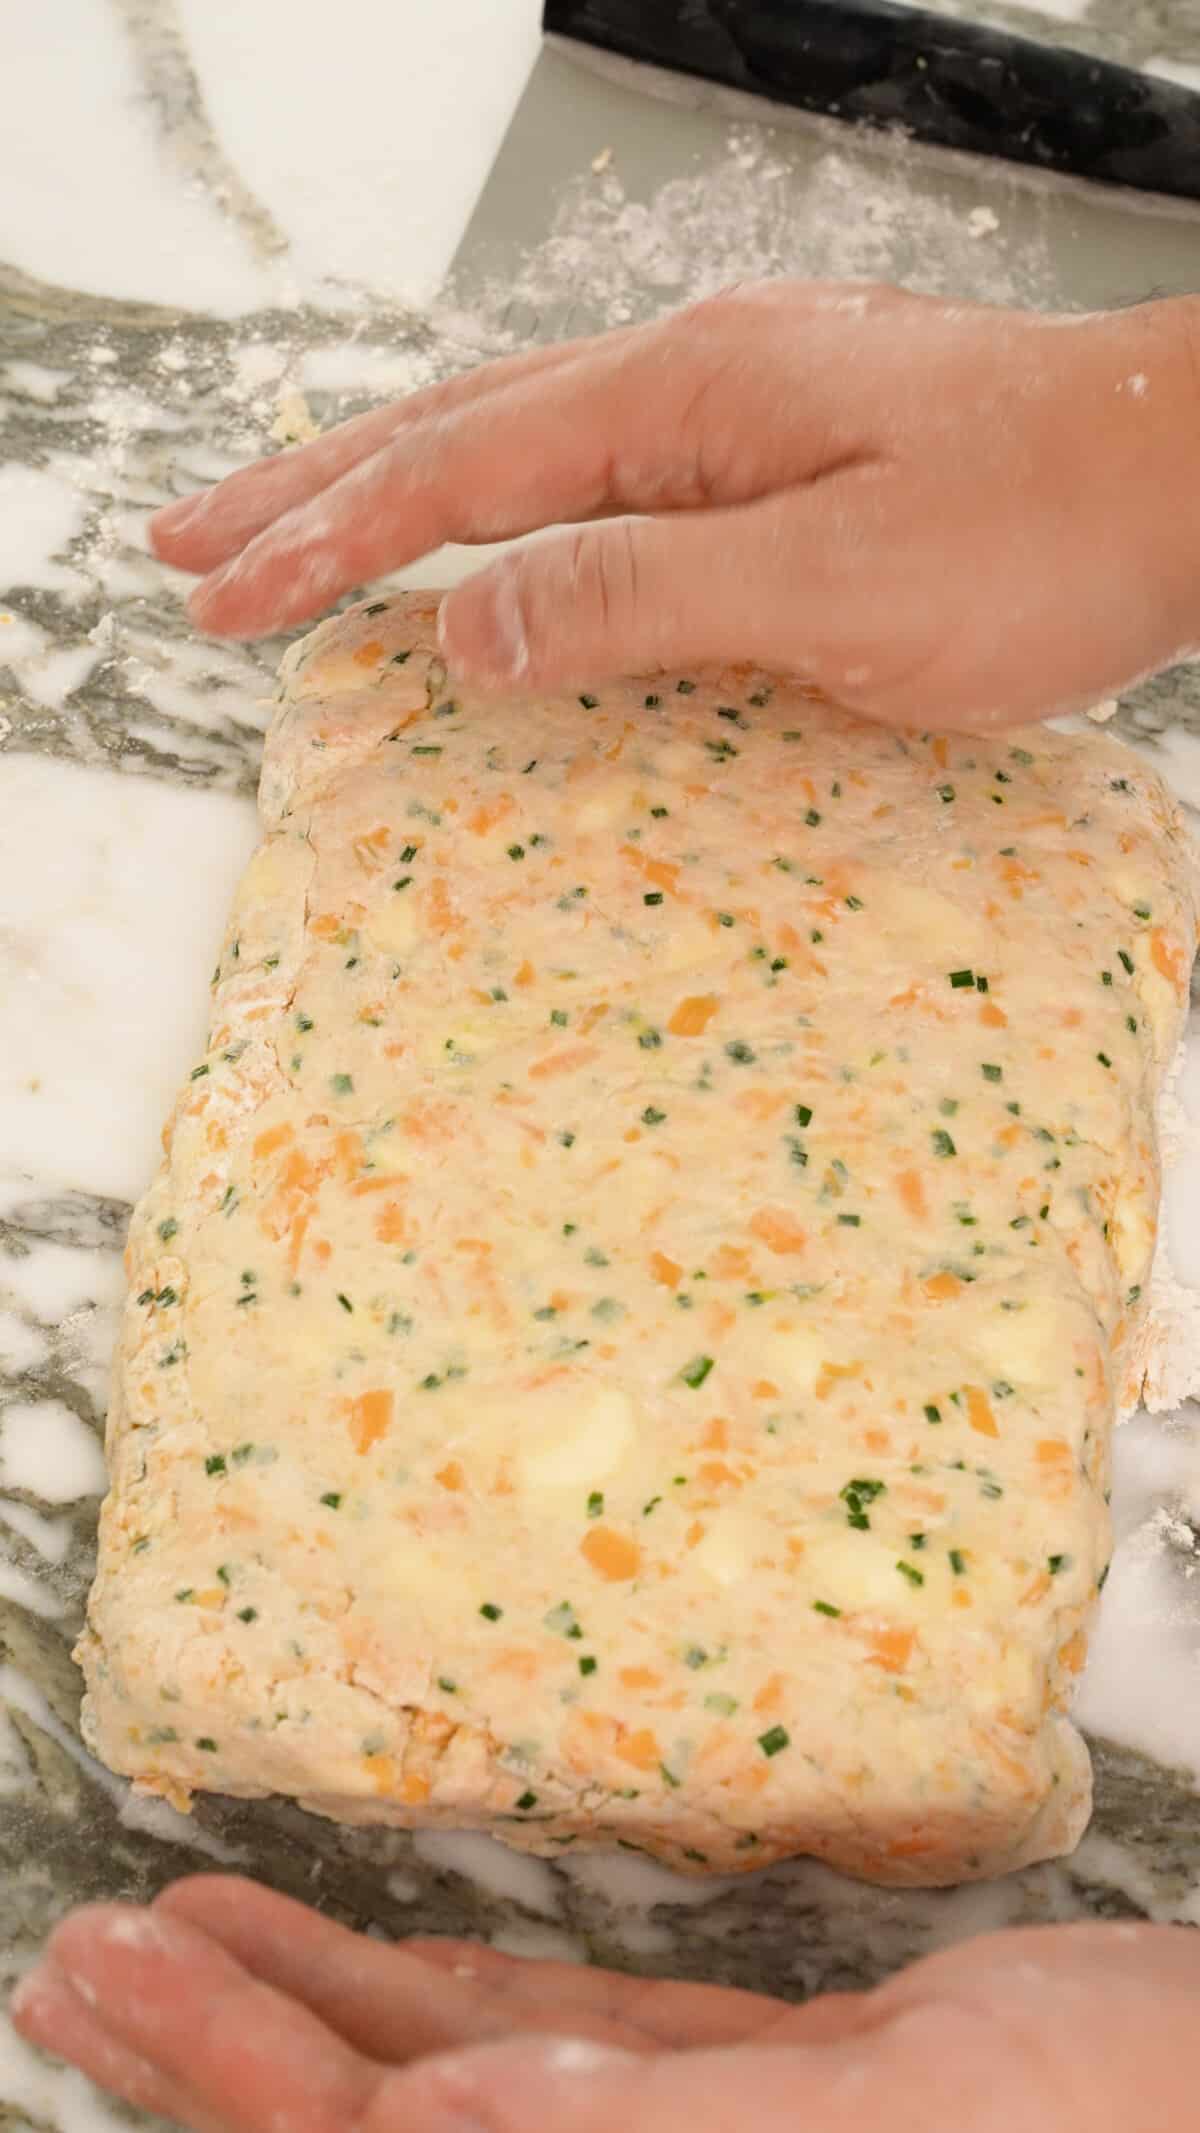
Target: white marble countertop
(206, 211)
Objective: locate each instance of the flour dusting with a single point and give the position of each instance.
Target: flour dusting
(853, 214)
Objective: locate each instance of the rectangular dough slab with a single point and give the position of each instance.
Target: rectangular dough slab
(624, 1340)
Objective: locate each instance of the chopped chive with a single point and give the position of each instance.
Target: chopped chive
(803, 1115)
(775, 1741)
(695, 1372)
(1104, 1059)
(1127, 961)
(942, 1143)
(332, 1499)
(247, 1614)
(1055, 1563)
(653, 896)
(961, 980)
(958, 1562)
(527, 1799)
(342, 1084)
(824, 1607)
(345, 1302)
(215, 1463)
(992, 1073)
(490, 1612)
(909, 1571)
(587, 1664)
(652, 1116)
(932, 1413)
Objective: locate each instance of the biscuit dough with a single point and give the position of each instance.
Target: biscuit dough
(624, 1340)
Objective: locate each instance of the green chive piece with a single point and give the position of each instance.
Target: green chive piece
(775, 1741)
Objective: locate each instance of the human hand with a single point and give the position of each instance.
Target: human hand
(952, 516)
(233, 2010)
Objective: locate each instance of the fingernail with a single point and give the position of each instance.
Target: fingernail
(32, 1991)
(44, 1996)
(481, 629)
(580, 2055)
(177, 517)
(197, 603)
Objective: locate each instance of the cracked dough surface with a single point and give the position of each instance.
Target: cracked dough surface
(624, 1340)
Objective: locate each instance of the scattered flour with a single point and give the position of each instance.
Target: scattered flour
(864, 212)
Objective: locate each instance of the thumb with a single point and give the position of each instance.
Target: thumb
(627, 595)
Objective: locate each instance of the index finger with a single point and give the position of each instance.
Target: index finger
(199, 533)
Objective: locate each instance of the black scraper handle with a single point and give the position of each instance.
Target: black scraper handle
(956, 84)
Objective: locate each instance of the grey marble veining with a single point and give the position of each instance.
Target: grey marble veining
(117, 406)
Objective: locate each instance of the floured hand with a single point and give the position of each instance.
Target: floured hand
(953, 516)
(232, 2010)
